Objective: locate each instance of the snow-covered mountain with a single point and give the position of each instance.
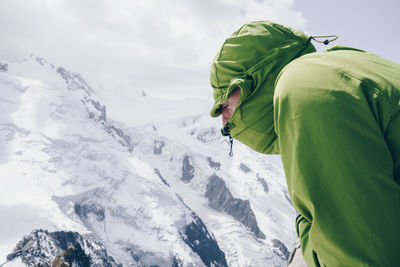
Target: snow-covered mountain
(81, 186)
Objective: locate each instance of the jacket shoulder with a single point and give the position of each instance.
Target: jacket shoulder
(307, 72)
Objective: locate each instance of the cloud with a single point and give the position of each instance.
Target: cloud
(163, 47)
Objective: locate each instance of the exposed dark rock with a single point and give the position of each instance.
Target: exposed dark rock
(158, 146)
(41, 61)
(213, 164)
(43, 248)
(208, 135)
(201, 240)
(74, 255)
(100, 108)
(288, 198)
(187, 169)
(134, 254)
(263, 183)
(176, 262)
(243, 167)
(95, 109)
(203, 243)
(85, 209)
(119, 134)
(147, 258)
(280, 249)
(74, 81)
(220, 198)
(160, 176)
(296, 258)
(3, 67)
(181, 200)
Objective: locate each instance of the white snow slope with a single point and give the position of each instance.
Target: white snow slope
(60, 154)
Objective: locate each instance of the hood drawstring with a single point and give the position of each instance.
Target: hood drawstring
(326, 41)
(231, 141)
(225, 131)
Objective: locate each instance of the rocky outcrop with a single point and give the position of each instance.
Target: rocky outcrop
(101, 108)
(86, 209)
(74, 255)
(3, 67)
(61, 248)
(263, 183)
(244, 168)
(296, 257)
(158, 146)
(160, 176)
(213, 164)
(144, 258)
(220, 198)
(280, 249)
(187, 169)
(74, 81)
(207, 135)
(41, 61)
(203, 243)
(122, 138)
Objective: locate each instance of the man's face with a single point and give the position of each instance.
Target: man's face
(230, 105)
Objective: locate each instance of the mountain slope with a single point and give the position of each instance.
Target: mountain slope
(164, 193)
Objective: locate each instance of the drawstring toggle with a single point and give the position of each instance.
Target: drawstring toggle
(326, 41)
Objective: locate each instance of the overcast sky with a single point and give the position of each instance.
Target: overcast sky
(165, 47)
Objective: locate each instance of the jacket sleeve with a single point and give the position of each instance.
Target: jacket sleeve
(338, 166)
(302, 229)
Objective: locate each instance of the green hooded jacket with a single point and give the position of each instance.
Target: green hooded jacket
(335, 119)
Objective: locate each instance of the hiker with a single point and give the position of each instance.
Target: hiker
(334, 117)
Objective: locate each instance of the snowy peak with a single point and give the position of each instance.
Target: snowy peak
(43, 248)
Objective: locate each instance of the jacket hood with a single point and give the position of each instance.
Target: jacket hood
(251, 58)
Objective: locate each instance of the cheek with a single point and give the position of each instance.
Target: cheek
(230, 111)
(224, 114)
(227, 113)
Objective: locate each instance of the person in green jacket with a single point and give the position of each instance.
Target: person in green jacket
(334, 117)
